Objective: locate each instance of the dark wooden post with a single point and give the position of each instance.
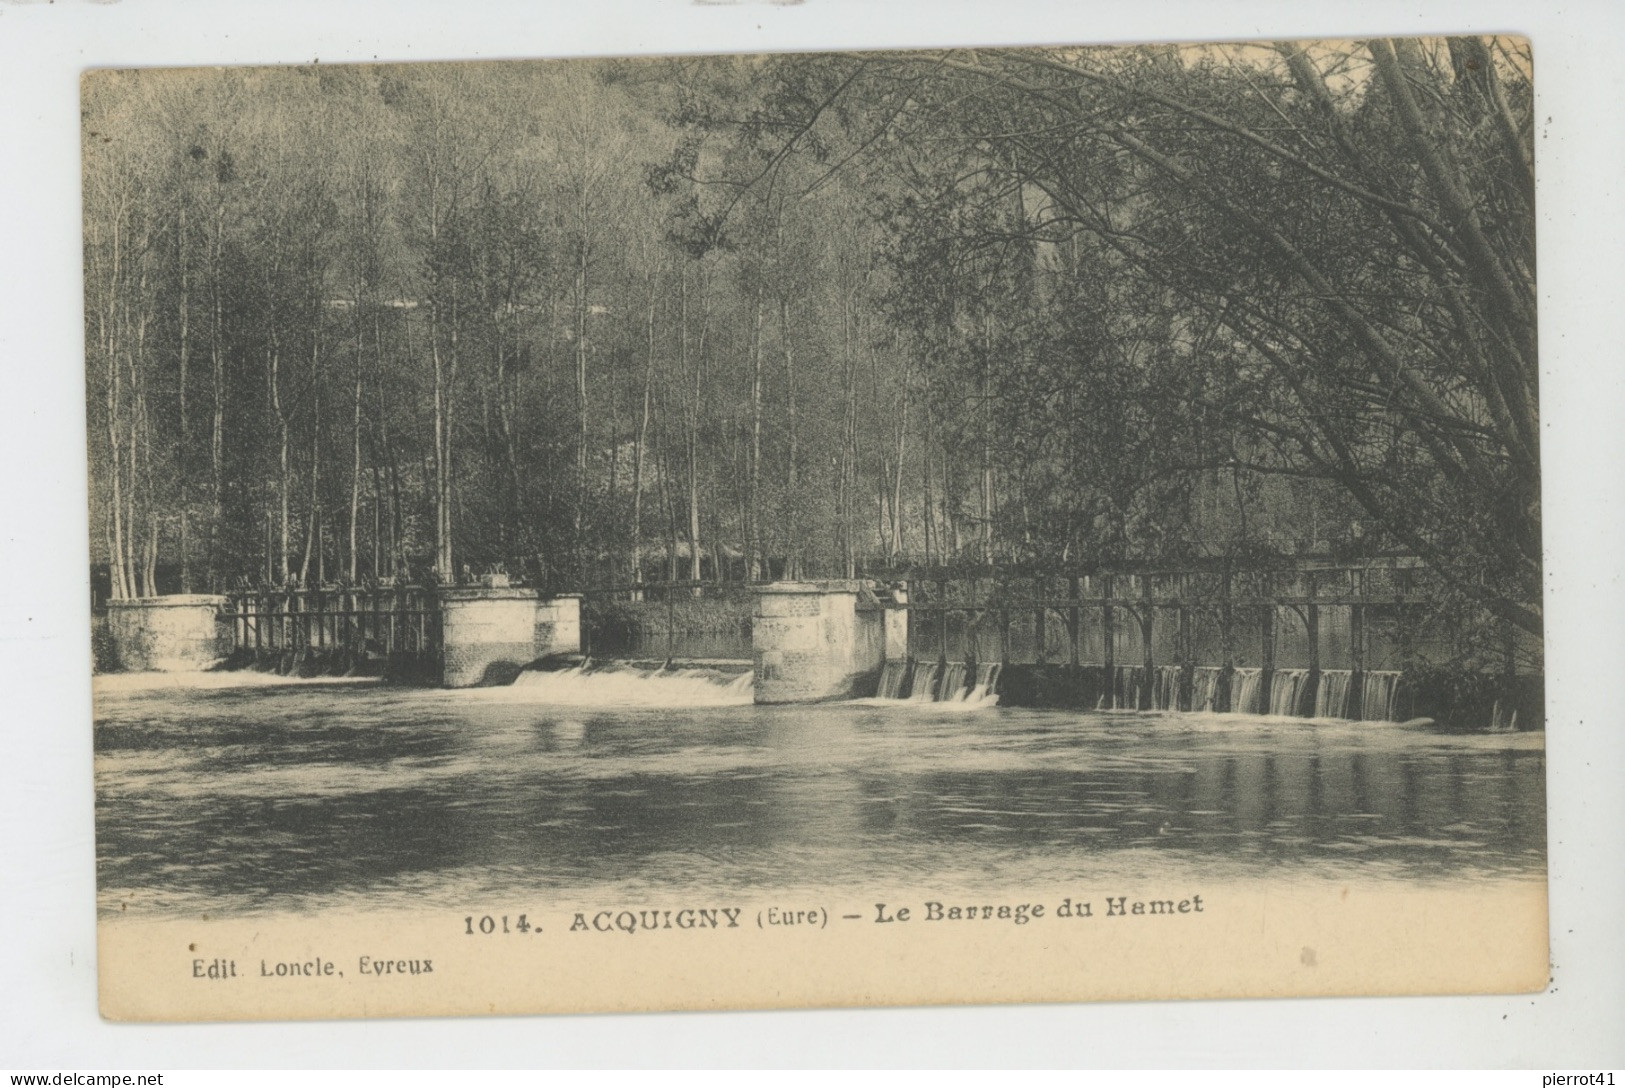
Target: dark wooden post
(1108, 651)
(1185, 654)
(1224, 699)
(942, 619)
(671, 620)
(1312, 623)
(1266, 638)
(1074, 618)
(1402, 618)
(1003, 589)
(1148, 675)
(1040, 621)
(1356, 644)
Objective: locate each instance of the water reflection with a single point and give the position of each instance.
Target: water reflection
(282, 798)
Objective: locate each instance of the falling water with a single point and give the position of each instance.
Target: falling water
(1126, 687)
(1244, 691)
(1165, 692)
(892, 676)
(1332, 697)
(1285, 689)
(952, 688)
(1377, 696)
(987, 683)
(932, 682)
(621, 684)
(1204, 687)
(923, 688)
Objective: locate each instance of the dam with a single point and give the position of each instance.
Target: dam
(1313, 639)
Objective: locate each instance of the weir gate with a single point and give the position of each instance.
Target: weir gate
(1307, 637)
(391, 630)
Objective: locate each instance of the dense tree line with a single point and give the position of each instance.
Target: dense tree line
(605, 321)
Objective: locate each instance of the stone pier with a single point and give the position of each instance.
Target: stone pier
(487, 634)
(176, 633)
(894, 615)
(558, 625)
(813, 641)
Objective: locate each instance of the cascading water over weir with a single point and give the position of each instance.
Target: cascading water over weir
(1332, 696)
(987, 683)
(1165, 692)
(893, 675)
(1205, 688)
(1286, 691)
(952, 689)
(939, 683)
(1244, 690)
(1378, 696)
(618, 683)
(923, 683)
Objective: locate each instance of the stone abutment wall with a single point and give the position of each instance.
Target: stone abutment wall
(180, 633)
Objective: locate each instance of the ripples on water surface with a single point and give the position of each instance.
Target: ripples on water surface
(304, 796)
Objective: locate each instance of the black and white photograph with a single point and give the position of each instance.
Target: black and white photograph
(811, 529)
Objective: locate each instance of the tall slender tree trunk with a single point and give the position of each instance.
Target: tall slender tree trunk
(354, 569)
(985, 431)
(899, 524)
(695, 568)
(753, 495)
(670, 500)
(142, 489)
(439, 443)
(933, 538)
(847, 478)
(581, 309)
(273, 372)
(183, 447)
(643, 435)
(108, 323)
(447, 492)
(217, 423)
(313, 532)
(793, 545)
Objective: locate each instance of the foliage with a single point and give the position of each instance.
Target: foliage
(734, 317)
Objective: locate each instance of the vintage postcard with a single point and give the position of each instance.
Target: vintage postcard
(986, 525)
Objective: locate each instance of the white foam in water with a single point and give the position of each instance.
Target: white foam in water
(135, 682)
(985, 693)
(614, 685)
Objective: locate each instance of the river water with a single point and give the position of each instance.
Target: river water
(241, 796)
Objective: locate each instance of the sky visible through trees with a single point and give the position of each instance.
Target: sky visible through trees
(595, 322)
